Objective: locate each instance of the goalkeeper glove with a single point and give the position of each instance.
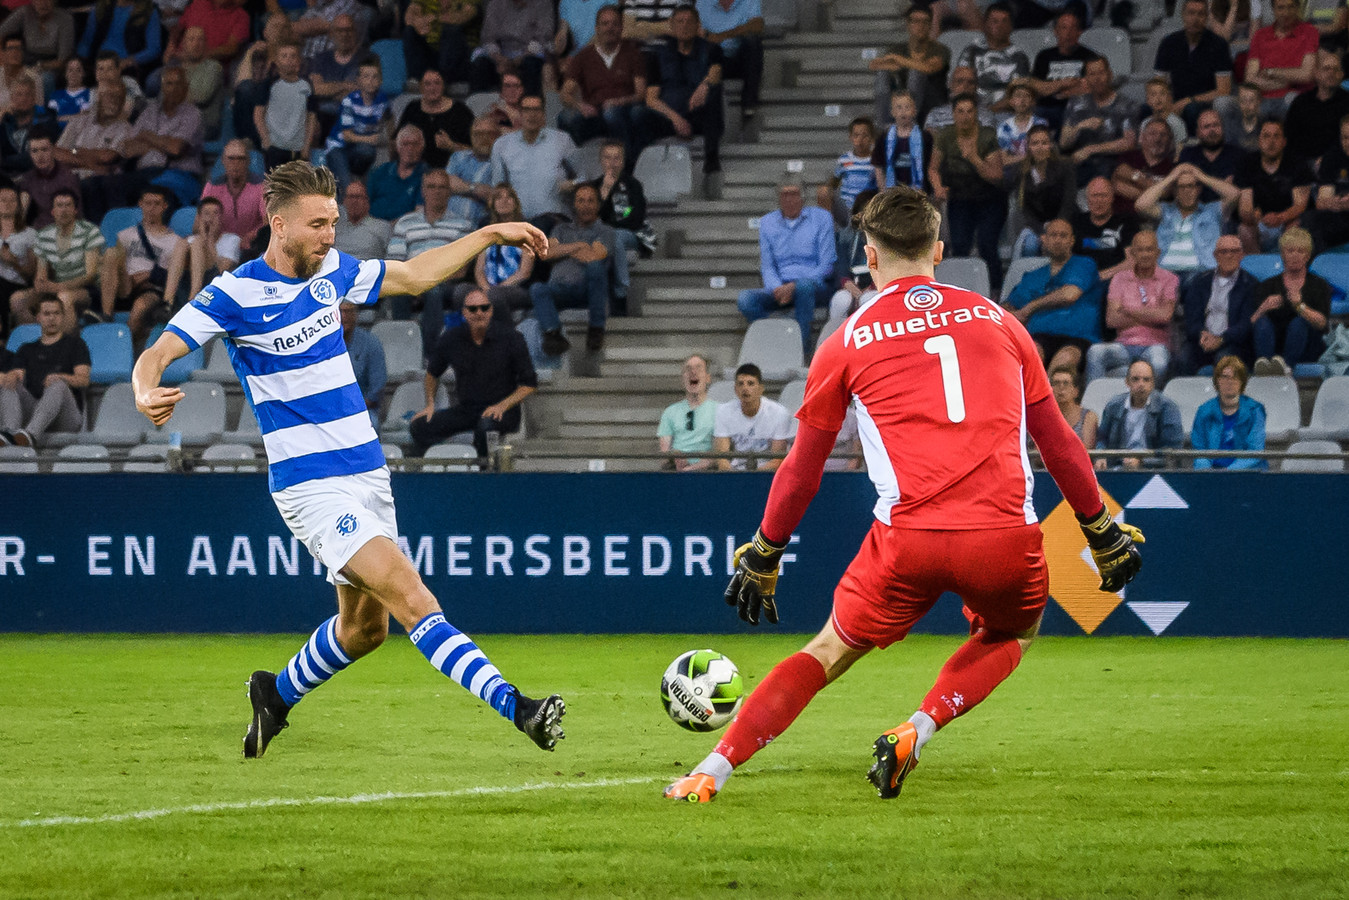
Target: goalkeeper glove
(1113, 547)
(755, 580)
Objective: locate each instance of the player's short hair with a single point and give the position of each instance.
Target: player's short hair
(1238, 368)
(902, 221)
(752, 370)
(290, 181)
(860, 202)
(35, 304)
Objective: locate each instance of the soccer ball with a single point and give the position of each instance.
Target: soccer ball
(702, 690)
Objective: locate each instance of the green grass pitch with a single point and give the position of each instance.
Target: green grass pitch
(1125, 768)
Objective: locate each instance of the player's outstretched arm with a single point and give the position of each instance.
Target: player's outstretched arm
(426, 270)
(753, 587)
(154, 402)
(1111, 543)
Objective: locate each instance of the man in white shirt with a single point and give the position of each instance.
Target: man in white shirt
(754, 425)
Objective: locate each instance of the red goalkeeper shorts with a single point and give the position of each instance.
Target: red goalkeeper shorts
(898, 575)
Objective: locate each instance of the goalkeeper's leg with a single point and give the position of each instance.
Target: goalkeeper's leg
(771, 708)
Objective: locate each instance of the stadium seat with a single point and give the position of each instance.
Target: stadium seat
(780, 16)
(1283, 412)
(182, 221)
(257, 167)
(666, 172)
(1313, 465)
(451, 451)
(247, 431)
(118, 424)
(957, 40)
(186, 188)
(828, 328)
(774, 345)
(1334, 267)
(1018, 268)
(1189, 393)
(480, 102)
(793, 392)
(147, 458)
(1102, 391)
(1330, 412)
(1031, 41)
(18, 461)
(393, 64)
(1263, 265)
(586, 160)
(199, 418)
(181, 369)
(23, 334)
(968, 272)
(391, 451)
(82, 458)
(1112, 43)
(408, 400)
(218, 367)
(400, 104)
(109, 352)
(227, 453)
(117, 219)
(402, 343)
(721, 392)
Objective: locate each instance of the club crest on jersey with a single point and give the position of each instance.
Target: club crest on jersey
(346, 524)
(323, 291)
(921, 298)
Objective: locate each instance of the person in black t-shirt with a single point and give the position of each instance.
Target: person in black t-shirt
(1313, 120)
(1057, 73)
(1330, 222)
(43, 391)
(492, 374)
(1101, 233)
(1198, 62)
(1275, 190)
(1212, 155)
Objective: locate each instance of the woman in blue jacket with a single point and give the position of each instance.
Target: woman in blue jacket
(1231, 420)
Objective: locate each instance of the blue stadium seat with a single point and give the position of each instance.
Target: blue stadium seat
(186, 188)
(23, 334)
(395, 67)
(1263, 265)
(182, 221)
(1334, 267)
(109, 352)
(116, 219)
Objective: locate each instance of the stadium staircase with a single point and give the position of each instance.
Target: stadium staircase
(684, 300)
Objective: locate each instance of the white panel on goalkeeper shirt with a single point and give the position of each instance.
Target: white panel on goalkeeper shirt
(284, 337)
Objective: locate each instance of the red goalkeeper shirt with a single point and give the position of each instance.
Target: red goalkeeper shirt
(941, 377)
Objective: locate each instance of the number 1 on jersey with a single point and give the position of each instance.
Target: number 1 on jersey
(943, 346)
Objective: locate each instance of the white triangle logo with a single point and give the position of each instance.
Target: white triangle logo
(1157, 616)
(1157, 494)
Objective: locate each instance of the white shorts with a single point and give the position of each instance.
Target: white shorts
(335, 517)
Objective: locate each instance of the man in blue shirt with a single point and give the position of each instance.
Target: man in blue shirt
(396, 186)
(737, 25)
(326, 470)
(1060, 303)
(796, 259)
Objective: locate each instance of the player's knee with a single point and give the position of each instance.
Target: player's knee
(362, 637)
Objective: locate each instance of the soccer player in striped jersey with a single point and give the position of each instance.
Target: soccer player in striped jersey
(945, 385)
(280, 320)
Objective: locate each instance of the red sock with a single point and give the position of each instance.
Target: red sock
(774, 705)
(970, 675)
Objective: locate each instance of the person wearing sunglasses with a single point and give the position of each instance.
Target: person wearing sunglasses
(686, 426)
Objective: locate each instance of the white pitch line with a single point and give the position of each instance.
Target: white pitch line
(357, 799)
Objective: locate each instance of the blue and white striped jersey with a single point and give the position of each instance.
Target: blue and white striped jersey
(285, 341)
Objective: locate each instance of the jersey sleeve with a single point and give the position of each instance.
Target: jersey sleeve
(826, 399)
(202, 319)
(366, 278)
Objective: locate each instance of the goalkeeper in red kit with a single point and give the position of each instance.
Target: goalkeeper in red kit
(946, 385)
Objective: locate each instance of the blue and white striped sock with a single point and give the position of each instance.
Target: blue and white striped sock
(455, 655)
(318, 660)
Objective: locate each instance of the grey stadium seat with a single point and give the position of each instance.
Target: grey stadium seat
(199, 417)
(721, 391)
(450, 451)
(1100, 392)
(147, 458)
(1114, 44)
(402, 343)
(666, 172)
(1313, 465)
(1189, 393)
(957, 40)
(227, 452)
(18, 461)
(793, 392)
(1330, 412)
(408, 400)
(1283, 410)
(118, 424)
(218, 368)
(968, 272)
(82, 458)
(1018, 268)
(247, 431)
(774, 345)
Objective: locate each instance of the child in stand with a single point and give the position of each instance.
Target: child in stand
(1013, 131)
(903, 153)
(853, 174)
(1161, 104)
(360, 128)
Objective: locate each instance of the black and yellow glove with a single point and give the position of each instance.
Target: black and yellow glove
(1113, 547)
(755, 580)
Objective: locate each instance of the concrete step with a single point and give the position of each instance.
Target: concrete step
(690, 295)
(809, 167)
(845, 82)
(626, 415)
(845, 38)
(651, 327)
(787, 146)
(701, 268)
(721, 250)
(633, 432)
(831, 117)
(791, 98)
